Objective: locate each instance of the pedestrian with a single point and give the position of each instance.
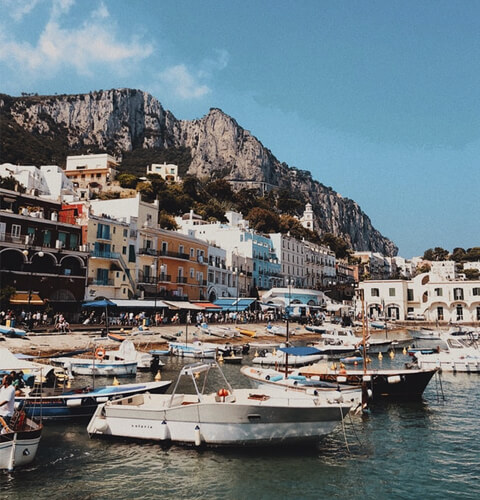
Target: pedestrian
(7, 399)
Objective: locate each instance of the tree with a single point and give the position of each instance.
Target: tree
(473, 254)
(264, 221)
(220, 189)
(471, 274)
(458, 254)
(440, 254)
(166, 221)
(337, 244)
(128, 181)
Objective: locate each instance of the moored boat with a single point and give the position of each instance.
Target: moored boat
(195, 349)
(228, 417)
(96, 365)
(293, 356)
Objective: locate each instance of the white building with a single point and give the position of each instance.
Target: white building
(291, 256)
(444, 269)
(168, 171)
(308, 218)
(426, 296)
(48, 181)
(320, 265)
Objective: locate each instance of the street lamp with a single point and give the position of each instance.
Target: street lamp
(289, 282)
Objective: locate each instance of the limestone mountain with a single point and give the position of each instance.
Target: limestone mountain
(45, 129)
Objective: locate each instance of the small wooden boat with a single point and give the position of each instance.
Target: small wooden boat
(117, 337)
(248, 333)
(352, 360)
(19, 441)
(14, 333)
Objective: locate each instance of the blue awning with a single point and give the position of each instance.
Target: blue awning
(300, 351)
(232, 304)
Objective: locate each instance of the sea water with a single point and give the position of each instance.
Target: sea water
(427, 449)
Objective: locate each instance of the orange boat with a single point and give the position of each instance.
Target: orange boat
(248, 333)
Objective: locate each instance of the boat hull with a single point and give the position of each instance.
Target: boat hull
(448, 364)
(83, 403)
(23, 445)
(219, 423)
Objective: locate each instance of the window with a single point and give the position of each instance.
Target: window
(63, 238)
(103, 231)
(181, 249)
(47, 238)
(192, 253)
(131, 253)
(16, 231)
(458, 294)
(440, 313)
(164, 247)
(375, 292)
(125, 233)
(192, 272)
(410, 296)
(476, 291)
(124, 250)
(391, 292)
(73, 241)
(459, 313)
(438, 292)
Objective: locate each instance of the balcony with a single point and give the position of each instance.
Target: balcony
(181, 279)
(176, 255)
(148, 251)
(101, 254)
(95, 282)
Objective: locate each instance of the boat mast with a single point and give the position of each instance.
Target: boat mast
(364, 343)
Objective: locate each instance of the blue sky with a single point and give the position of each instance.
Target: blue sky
(379, 100)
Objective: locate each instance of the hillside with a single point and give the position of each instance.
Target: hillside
(133, 126)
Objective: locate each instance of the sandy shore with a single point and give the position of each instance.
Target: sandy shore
(50, 343)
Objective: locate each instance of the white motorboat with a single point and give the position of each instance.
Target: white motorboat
(127, 352)
(293, 356)
(96, 365)
(217, 331)
(268, 377)
(195, 349)
(277, 330)
(339, 342)
(460, 356)
(226, 417)
(436, 339)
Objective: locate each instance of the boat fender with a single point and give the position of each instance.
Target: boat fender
(267, 377)
(367, 378)
(100, 353)
(369, 393)
(394, 379)
(341, 380)
(198, 436)
(101, 425)
(342, 371)
(164, 431)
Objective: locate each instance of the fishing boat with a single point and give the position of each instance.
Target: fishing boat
(194, 349)
(98, 365)
(315, 329)
(227, 417)
(217, 331)
(293, 380)
(383, 383)
(461, 355)
(61, 403)
(277, 330)
(293, 356)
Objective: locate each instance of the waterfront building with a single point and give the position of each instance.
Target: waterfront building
(291, 256)
(42, 256)
(238, 239)
(427, 296)
(373, 265)
(320, 266)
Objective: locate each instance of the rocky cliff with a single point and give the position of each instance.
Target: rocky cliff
(123, 120)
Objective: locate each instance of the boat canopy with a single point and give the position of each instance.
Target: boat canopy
(33, 299)
(300, 351)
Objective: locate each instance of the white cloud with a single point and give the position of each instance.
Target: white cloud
(17, 10)
(83, 48)
(182, 83)
(101, 12)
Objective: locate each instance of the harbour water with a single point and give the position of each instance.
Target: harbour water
(425, 449)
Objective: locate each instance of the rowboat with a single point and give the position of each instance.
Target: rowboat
(248, 333)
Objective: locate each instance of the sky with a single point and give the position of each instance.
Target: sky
(379, 100)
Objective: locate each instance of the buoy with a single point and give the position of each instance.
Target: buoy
(355, 363)
(380, 356)
(334, 366)
(392, 354)
(198, 437)
(368, 360)
(115, 381)
(69, 385)
(404, 351)
(158, 376)
(274, 352)
(342, 365)
(256, 354)
(220, 358)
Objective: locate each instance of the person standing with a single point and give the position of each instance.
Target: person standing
(7, 399)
